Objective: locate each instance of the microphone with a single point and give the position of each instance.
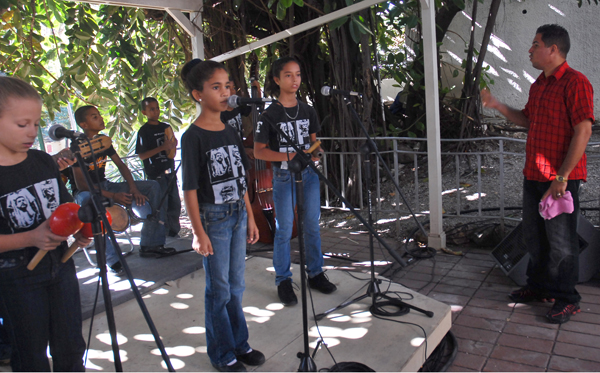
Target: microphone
(57, 132)
(235, 101)
(328, 91)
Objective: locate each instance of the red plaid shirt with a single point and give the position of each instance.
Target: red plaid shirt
(556, 104)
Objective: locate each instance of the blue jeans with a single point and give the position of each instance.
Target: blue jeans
(284, 197)
(41, 307)
(153, 233)
(172, 204)
(226, 329)
(553, 245)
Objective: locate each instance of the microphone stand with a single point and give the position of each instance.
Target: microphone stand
(373, 288)
(94, 212)
(296, 165)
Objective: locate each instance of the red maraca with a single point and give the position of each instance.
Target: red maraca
(86, 232)
(64, 221)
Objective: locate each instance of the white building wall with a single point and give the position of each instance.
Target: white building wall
(513, 33)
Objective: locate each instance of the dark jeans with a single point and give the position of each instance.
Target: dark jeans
(172, 202)
(226, 329)
(552, 244)
(41, 307)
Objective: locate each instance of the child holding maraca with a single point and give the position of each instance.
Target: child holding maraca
(40, 307)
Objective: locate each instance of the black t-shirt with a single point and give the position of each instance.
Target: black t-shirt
(101, 159)
(150, 137)
(29, 192)
(214, 164)
(298, 123)
(234, 118)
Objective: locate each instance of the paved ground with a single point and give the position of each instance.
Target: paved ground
(492, 333)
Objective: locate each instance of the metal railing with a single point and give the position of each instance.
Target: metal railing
(467, 177)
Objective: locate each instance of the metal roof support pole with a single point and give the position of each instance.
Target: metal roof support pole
(437, 236)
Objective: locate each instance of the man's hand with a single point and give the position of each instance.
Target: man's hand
(557, 190)
(64, 163)
(140, 199)
(488, 100)
(122, 198)
(169, 144)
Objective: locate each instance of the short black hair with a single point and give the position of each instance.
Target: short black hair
(15, 88)
(196, 72)
(81, 113)
(555, 35)
(147, 101)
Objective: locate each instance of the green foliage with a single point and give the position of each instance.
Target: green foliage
(60, 48)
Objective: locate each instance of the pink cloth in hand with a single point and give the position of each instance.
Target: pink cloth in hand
(550, 207)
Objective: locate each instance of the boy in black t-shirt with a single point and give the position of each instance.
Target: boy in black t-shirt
(153, 232)
(157, 150)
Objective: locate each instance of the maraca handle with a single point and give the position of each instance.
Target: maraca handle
(70, 251)
(36, 259)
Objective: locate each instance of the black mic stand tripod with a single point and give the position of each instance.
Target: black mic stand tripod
(373, 291)
(94, 212)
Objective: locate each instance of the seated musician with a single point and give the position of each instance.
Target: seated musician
(153, 232)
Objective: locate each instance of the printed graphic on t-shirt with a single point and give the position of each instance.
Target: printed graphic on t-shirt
(236, 122)
(160, 139)
(30, 206)
(226, 172)
(290, 129)
(100, 161)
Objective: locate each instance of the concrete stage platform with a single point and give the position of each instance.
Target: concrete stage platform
(351, 333)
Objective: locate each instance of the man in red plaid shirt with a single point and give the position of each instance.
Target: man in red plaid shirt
(559, 116)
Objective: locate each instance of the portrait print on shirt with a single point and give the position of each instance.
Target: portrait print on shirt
(226, 172)
(30, 206)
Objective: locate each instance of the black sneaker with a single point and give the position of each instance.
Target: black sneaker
(236, 367)
(321, 283)
(156, 251)
(526, 294)
(561, 312)
(253, 357)
(116, 269)
(286, 293)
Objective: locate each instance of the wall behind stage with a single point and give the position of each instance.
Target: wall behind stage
(513, 33)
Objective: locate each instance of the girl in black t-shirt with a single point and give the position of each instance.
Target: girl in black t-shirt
(299, 123)
(216, 199)
(40, 307)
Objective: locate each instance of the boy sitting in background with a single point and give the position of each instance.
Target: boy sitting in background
(157, 151)
(153, 233)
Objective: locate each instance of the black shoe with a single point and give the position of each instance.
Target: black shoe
(561, 312)
(116, 269)
(253, 357)
(321, 283)
(286, 293)
(173, 234)
(526, 294)
(156, 251)
(237, 367)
